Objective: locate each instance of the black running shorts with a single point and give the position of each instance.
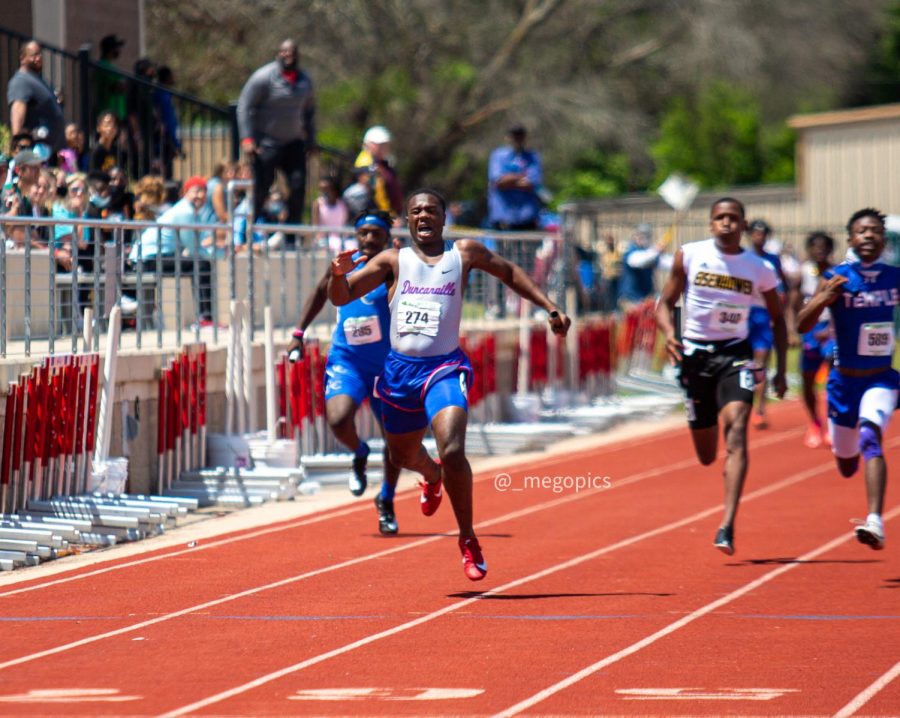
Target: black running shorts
(713, 375)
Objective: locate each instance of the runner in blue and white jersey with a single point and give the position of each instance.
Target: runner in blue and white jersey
(863, 385)
(359, 347)
(817, 345)
(426, 373)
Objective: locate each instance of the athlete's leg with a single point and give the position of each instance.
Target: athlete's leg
(875, 412)
(706, 443)
(447, 408)
(845, 446)
(761, 359)
(340, 411)
(876, 469)
(734, 417)
(407, 452)
(449, 429)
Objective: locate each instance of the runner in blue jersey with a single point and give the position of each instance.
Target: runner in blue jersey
(359, 346)
(426, 373)
(760, 323)
(863, 386)
(818, 343)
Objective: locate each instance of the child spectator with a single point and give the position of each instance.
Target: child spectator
(330, 210)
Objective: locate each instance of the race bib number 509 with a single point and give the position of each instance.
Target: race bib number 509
(876, 339)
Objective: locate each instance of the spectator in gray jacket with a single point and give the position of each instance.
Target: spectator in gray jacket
(276, 120)
(33, 104)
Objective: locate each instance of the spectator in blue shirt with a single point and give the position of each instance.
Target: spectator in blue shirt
(172, 246)
(639, 263)
(515, 178)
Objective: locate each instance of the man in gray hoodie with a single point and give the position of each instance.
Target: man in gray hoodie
(276, 120)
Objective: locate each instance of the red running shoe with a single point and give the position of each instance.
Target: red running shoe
(431, 496)
(813, 438)
(473, 561)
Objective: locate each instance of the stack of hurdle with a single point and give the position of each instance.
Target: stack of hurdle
(641, 353)
(47, 469)
(181, 444)
(181, 422)
(228, 475)
(487, 435)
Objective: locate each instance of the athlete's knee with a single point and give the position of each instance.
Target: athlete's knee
(452, 451)
(869, 441)
(404, 456)
(847, 467)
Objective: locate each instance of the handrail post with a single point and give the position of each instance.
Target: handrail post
(84, 82)
(235, 132)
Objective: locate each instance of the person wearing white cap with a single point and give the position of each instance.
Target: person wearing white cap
(387, 192)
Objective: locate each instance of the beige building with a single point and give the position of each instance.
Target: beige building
(846, 160)
(69, 24)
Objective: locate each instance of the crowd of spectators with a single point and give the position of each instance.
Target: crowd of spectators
(123, 168)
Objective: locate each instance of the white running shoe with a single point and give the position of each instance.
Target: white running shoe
(869, 533)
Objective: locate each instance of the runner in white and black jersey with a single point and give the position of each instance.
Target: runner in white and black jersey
(426, 373)
(718, 280)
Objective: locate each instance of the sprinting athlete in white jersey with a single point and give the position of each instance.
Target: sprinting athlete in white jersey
(426, 373)
(719, 280)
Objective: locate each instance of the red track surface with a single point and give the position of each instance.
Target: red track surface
(598, 602)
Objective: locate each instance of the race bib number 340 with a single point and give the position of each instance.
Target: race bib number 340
(731, 318)
(418, 316)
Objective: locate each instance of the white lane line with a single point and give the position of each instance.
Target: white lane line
(332, 513)
(543, 695)
(262, 680)
(660, 471)
(869, 693)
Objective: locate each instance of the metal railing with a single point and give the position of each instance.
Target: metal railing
(207, 132)
(44, 307)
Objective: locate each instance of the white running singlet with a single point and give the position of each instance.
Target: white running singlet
(809, 282)
(720, 289)
(427, 304)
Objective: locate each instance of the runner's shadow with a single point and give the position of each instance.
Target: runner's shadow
(533, 596)
(789, 559)
(409, 534)
(891, 583)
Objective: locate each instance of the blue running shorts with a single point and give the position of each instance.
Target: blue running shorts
(760, 329)
(816, 351)
(346, 374)
(845, 394)
(414, 389)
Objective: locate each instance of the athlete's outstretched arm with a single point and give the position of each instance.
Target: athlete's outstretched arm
(665, 308)
(343, 290)
(514, 277)
(826, 294)
(311, 308)
(779, 331)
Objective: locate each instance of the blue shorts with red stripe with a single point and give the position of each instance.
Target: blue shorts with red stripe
(414, 389)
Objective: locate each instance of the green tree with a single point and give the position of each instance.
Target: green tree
(715, 139)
